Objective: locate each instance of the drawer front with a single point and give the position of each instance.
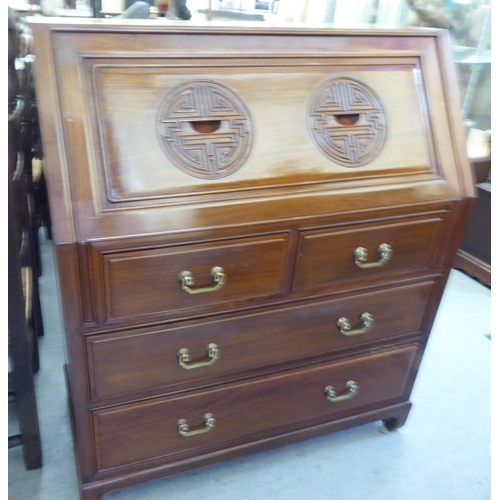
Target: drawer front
(328, 257)
(121, 364)
(248, 411)
(148, 282)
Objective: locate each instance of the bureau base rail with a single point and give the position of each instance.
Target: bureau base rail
(394, 416)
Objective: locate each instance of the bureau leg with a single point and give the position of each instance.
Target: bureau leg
(395, 422)
(90, 495)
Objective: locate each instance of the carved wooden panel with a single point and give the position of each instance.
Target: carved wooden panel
(348, 122)
(157, 113)
(107, 99)
(204, 128)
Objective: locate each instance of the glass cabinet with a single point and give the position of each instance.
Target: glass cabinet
(468, 22)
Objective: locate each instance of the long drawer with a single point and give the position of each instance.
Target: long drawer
(369, 252)
(127, 363)
(177, 427)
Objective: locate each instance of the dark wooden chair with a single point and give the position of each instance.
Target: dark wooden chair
(23, 341)
(25, 320)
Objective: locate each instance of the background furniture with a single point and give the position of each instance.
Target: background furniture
(253, 233)
(474, 254)
(24, 313)
(23, 351)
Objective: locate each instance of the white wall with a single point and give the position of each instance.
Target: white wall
(352, 12)
(320, 11)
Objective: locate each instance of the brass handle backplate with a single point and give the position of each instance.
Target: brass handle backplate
(185, 357)
(184, 427)
(187, 280)
(346, 328)
(351, 388)
(361, 256)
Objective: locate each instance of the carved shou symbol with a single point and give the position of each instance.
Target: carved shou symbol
(204, 129)
(348, 122)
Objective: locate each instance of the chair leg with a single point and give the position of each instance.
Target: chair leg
(21, 353)
(22, 366)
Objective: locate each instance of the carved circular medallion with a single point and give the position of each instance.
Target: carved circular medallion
(347, 122)
(204, 129)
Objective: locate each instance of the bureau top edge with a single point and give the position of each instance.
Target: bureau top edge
(271, 28)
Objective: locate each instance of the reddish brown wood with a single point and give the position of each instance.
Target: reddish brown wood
(474, 254)
(326, 256)
(136, 361)
(145, 282)
(90, 494)
(396, 421)
(473, 266)
(283, 221)
(248, 411)
(102, 485)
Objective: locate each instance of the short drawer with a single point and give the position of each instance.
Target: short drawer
(150, 281)
(128, 363)
(253, 410)
(367, 252)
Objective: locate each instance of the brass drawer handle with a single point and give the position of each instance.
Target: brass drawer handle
(185, 357)
(361, 256)
(352, 390)
(184, 427)
(187, 280)
(346, 329)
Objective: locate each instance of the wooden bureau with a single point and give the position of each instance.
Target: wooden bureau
(253, 228)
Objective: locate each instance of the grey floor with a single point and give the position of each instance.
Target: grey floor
(443, 451)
